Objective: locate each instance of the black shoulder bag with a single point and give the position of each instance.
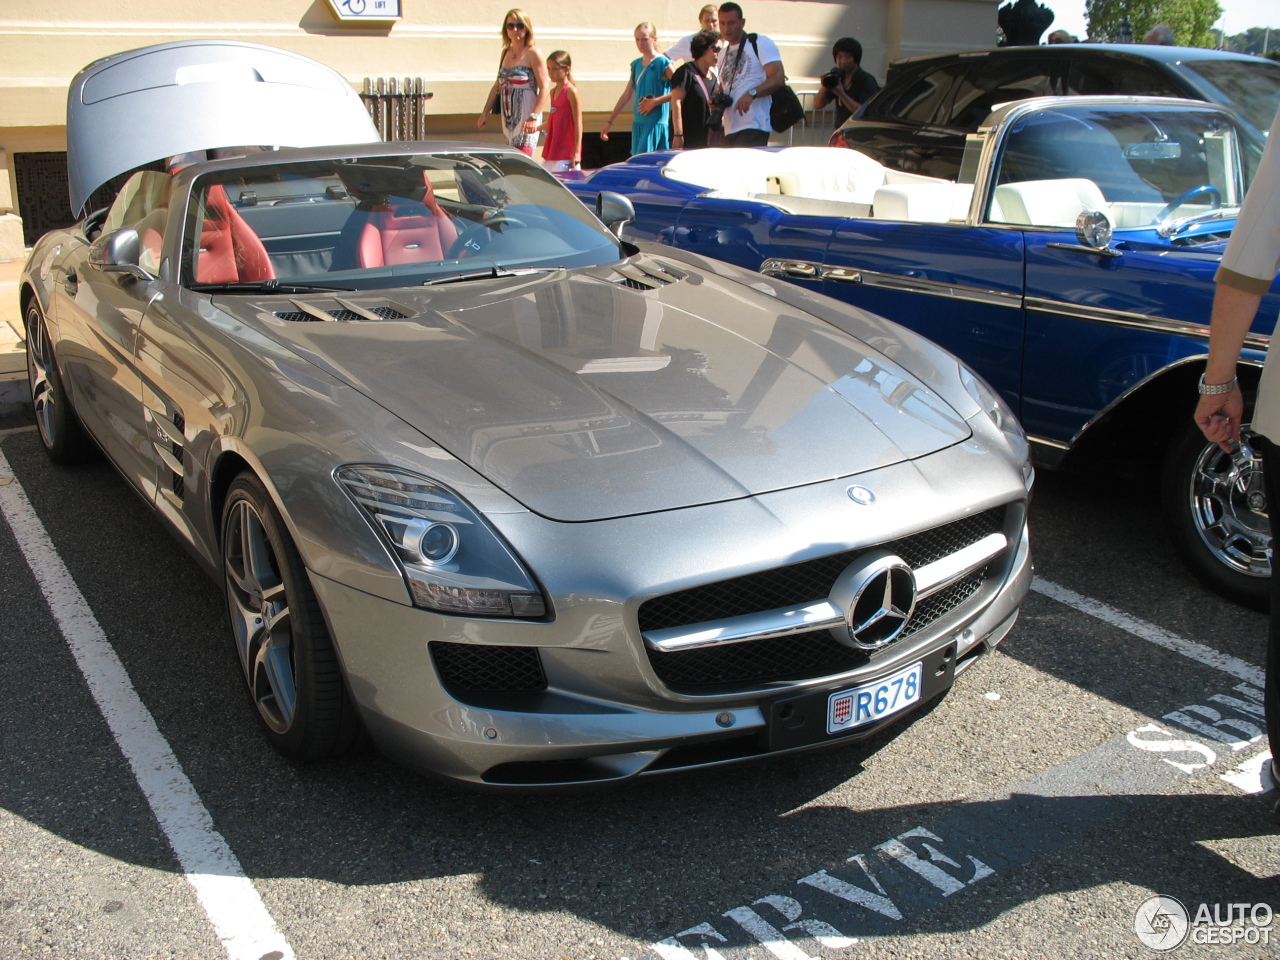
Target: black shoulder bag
(786, 110)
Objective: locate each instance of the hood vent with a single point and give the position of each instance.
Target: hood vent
(338, 310)
(651, 276)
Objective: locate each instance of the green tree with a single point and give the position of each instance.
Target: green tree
(1192, 20)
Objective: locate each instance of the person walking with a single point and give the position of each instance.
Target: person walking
(692, 89)
(1248, 269)
(649, 84)
(847, 84)
(523, 87)
(750, 71)
(563, 149)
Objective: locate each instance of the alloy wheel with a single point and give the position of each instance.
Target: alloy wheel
(261, 619)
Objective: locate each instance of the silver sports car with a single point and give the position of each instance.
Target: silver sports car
(527, 503)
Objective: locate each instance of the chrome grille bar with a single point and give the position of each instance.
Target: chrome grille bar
(821, 614)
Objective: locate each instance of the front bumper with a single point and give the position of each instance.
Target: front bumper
(573, 734)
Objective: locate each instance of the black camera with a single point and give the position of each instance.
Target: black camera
(721, 99)
(831, 79)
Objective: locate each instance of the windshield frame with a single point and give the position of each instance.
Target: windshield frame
(993, 136)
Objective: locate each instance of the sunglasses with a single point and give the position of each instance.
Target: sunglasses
(516, 26)
(717, 49)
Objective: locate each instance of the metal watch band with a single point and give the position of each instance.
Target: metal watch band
(1211, 389)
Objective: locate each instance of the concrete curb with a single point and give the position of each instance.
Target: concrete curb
(15, 395)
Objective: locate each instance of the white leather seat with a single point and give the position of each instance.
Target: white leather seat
(922, 202)
(823, 173)
(1046, 203)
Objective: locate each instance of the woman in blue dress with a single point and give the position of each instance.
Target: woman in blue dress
(650, 79)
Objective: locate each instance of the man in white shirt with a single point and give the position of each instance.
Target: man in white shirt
(750, 71)
(681, 50)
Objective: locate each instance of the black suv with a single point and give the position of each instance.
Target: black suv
(918, 120)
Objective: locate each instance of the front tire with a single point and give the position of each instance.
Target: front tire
(289, 662)
(61, 434)
(1216, 509)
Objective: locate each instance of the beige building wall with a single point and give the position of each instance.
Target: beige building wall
(454, 46)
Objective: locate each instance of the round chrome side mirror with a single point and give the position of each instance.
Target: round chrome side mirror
(1093, 229)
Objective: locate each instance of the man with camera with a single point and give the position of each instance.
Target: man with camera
(750, 71)
(847, 83)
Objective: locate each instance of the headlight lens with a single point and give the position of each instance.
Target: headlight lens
(993, 406)
(452, 559)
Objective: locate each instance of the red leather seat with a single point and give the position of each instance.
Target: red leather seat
(406, 235)
(229, 249)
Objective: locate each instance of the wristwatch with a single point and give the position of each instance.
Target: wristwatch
(1213, 389)
(752, 93)
(535, 116)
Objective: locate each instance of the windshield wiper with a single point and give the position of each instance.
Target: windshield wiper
(265, 286)
(490, 274)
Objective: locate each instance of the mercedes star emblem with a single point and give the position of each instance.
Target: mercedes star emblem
(877, 594)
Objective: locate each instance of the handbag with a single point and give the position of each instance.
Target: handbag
(785, 110)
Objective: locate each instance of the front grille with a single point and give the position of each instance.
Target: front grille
(485, 668)
(296, 316)
(345, 315)
(808, 655)
(797, 657)
(389, 313)
(807, 581)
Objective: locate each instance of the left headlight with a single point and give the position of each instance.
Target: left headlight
(453, 560)
(1002, 416)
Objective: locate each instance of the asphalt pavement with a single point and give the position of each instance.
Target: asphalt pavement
(1109, 752)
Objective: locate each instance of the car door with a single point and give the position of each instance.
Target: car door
(958, 285)
(98, 318)
(1098, 324)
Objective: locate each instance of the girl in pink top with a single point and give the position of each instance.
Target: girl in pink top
(563, 149)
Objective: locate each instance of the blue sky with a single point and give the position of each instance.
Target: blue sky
(1238, 16)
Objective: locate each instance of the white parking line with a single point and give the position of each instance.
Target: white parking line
(1149, 631)
(239, 917)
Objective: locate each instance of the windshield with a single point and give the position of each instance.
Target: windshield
(1252, 87)
(368, 222)
(1140, 167)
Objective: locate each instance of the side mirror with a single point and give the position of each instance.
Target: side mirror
(615, 210)
(1093, 229)
(119, 252)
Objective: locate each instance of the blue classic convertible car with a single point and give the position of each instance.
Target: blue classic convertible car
(1070, 263)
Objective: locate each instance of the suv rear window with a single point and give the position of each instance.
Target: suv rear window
(920, 100)
(1001, 81)
(1253, 88)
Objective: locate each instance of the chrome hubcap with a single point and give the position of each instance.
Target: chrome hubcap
(260, 618)
(39, 361)
(1229, 508)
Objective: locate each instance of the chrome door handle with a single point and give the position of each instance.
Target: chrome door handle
(799, 269)
(842, 274)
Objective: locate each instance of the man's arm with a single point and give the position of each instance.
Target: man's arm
(773, 80)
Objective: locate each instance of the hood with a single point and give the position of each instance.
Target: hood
(586, 399)
(192, 95)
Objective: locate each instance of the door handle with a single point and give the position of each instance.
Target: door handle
(796, 269)
(842, 274)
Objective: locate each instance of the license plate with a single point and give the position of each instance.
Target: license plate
(873, 701)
